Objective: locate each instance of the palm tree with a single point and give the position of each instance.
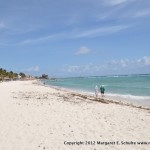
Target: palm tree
(10, 74)
(22, 75)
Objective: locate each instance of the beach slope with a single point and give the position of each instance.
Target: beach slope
(35, 117)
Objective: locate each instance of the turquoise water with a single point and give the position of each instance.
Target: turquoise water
(135, 86)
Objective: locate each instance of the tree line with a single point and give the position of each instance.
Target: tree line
(10, 74)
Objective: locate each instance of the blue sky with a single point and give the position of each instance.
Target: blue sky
(74, 38)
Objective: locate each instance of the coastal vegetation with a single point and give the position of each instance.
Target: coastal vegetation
(6, 75)
(10, 75)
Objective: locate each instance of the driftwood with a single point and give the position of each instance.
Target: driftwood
(90, 98)
(106, 101)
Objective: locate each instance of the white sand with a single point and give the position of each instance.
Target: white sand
(34, 117)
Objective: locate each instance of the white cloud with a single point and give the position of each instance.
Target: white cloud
(74, 68)
(32, 69)
(142, 13)
(83, 50)
(101, 31)
(124, 12)
(114, 2)
(37, 40)
(121, 63)
(123, 66)
(78, 34)
(145, 61)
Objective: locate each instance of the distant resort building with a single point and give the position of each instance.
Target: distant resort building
(19, 76)
(44, 76)
(6, 79)
(29, 77)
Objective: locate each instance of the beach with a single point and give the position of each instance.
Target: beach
(36, 117)
(130, 88)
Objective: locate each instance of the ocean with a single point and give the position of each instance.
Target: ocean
(130, 88)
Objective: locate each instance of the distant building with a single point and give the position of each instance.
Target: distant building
(29, 77)
(7, 79)
(19, 76)
(44, 76)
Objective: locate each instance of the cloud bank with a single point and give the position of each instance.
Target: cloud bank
(124, 66)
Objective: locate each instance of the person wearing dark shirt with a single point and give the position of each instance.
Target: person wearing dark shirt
(102, 89)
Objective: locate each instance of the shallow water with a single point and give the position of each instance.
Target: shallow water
(133, 88)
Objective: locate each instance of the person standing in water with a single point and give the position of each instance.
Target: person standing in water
(102, 89)
(96, 91)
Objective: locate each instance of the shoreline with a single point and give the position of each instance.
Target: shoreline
(90, 96)
(36, 117)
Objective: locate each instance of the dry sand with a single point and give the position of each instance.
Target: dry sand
(34, 117)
